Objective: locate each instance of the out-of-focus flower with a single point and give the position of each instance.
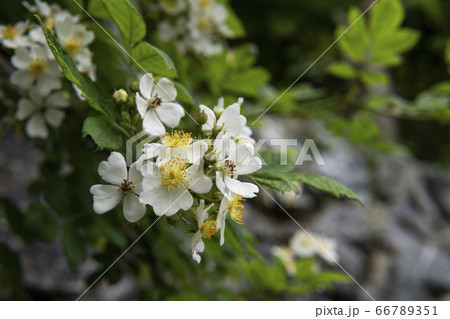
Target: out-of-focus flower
(309, 245)
(39, 110)
(205, 230)
(124, 184)
(156, 104)
(12, 36)
(285, 255)
(173, 7)
(35, 68)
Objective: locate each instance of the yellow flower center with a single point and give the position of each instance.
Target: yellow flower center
(204, 23)
(10, 32)
(126, 187)
(49, 23)
(37, 66)
(73, 45)
(174, 174)
(176, 138)
(236, 209)
(154, 101)
(205, 3)
(208, 229)
(306, 241)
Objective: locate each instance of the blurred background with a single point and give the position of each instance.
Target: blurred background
(378, 107)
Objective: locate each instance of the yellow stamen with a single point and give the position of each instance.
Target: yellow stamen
(204, 23)
(176, 138)
(10, 32)
(37, 66)
(73, 45)
(205, 3)
(174, 174)
(208, 229)
(236, 209)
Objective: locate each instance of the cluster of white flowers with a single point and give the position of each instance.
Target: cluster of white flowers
(37, 71)
(178, 173)
(195, 25)
(304, 245)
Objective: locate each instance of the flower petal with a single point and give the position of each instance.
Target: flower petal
(25, 109)
(166, 202)
(210, 118)
(54, 117)
(22, 78)
(248, 190)
(166, 90)
(199, 182)
(106, 197)
(152, 123)
(133, 209)
(170, 113)
(142, 105)
(114, 169)
(58, 100)
(146, 85)
(21, 58)
(35, 127)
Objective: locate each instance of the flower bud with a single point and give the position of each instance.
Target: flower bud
(134, 86)
(120, 96)
(201, 118)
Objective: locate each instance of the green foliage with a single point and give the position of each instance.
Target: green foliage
(103, 132)
(153, 60)
(130, 23)
(97, 9)
(74, 245)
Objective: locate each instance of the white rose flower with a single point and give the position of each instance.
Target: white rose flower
(303, 245)
(124, 184)
(12, 36)
(156, 104)
(35, 67)
(167, 183)
(39, 110)
(286, 257)
(234, 160)
(231, 204)
(205, 230)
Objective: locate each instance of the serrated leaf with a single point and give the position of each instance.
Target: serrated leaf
(103, 132)
(130, 23)
(89, 90)
(326, 185)
(342, 70)
(153, 60)
(74, 245)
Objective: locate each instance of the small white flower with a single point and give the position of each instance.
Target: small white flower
(167, 183)
(39, 110)
(231, 204)
(49, 12)
(309, 245)
(176, 32)
(75, 38)
(126, 185)
(35, 67)
(327, 249)
(156, 104)
(286, 257)
(205, 230)
(173, 7)
(12, 36)
(234, 160)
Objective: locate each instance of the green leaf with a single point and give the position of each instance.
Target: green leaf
(247, 82)
(74, 245)
(97, 9)
(89, 90)
(103, 132)
(15, 218)
(72, 6)
(355, 40)
(342, 70)
(386, 15)
(40, 222)
(183, 94)
(114, 234)
(326, 185)
(372, 77)
(239, 234)
(396, 42)
(153, 60)
(234, 23)
(276, 180)
(130, 23)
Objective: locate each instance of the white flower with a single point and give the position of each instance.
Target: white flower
(309, 245)
(35, 67)
(49, 12)
(173, 7)
(124, 184)
(205, 230)
(39, 110)
(157, 105)
(234, 160)
(176, 32)
(286, 257)
(167, 183)
(12, 36)
(75, 38)
(327, 249)
(231, 204)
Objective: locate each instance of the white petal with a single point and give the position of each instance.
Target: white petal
(247, 190)
(166, 90)
(220, 183)
(35, 127)
(106, 197)
(231, 119)
(46, 83)
(152, 123)
(25, 109)
(54, 117)
(142, 105)
(170, 113)
(133, 209)
(135, 176)
(210, 118)
(166, 202)
(146, 85)
(21, 58)
(114, 169)
(64, 29)
(58, 100)
(199, 182)
(22, 78)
